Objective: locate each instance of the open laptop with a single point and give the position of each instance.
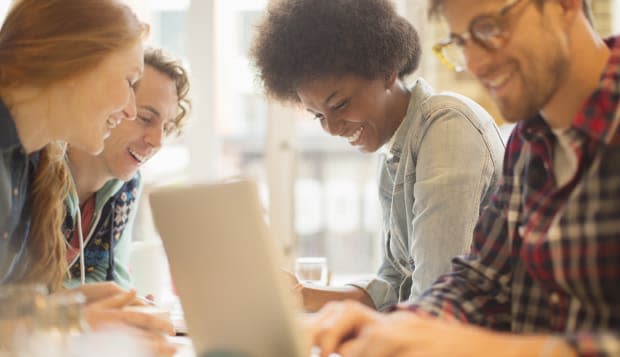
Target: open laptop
(226, 270)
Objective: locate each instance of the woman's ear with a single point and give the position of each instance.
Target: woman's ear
(390, 79)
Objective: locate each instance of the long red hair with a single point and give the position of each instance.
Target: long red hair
(43, 42)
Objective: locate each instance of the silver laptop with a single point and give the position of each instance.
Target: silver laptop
(226, 270)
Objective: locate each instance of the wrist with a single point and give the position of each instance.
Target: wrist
(554, 346)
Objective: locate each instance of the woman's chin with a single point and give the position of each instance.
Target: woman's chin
(93, 148)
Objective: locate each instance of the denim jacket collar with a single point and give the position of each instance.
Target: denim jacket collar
(420, 90)
(8, 131)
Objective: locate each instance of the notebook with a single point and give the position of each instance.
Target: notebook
(226, 270)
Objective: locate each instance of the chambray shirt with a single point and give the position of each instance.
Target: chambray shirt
(443, 163)
(16, 170)
(546, 259)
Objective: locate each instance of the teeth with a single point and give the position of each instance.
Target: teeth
(498, 81)
(137, 156)
(111, 123)
(356, 135)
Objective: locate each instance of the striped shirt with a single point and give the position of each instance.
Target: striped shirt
(546, 258)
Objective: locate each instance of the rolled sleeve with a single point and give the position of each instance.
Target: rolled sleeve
(383, 289)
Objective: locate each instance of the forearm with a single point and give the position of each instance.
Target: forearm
(468, 295)
(600, 343)
(314, 298)
(534, 345)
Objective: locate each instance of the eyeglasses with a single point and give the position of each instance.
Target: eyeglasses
(490, 31)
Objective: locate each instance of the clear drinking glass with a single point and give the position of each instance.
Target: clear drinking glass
(56, 325)
(19, 304)
(311, 270)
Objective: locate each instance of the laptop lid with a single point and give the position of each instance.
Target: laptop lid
(225, 267)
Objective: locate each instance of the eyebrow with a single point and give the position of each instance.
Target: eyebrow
(151, 109)
(326, 101)
(330, 97)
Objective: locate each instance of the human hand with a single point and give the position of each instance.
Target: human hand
(147, 328)
(336, 323)
(290, 279)
(95, 292)
(405, 333)
(294, 286)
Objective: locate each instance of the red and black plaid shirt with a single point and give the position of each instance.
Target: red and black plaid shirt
(546, 259)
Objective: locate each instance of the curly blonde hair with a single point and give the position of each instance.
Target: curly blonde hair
(173, 69)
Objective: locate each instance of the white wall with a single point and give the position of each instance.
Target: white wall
(615, 17)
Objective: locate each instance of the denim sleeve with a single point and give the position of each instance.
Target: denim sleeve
(453, 171)
(5, 193)
(383, 289)
(5, 211)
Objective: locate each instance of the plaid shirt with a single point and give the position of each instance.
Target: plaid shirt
(546, 259)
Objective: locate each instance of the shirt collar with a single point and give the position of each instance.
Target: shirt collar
(601, 108)
(596, 117)
(419, 91)
(8, 131)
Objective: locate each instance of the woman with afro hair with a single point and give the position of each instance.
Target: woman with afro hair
(345, 61)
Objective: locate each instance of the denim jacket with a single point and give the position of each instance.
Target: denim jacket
(16, 171)
(443, 164)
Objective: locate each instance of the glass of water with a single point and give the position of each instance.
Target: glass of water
(312, 270)
(19, 305)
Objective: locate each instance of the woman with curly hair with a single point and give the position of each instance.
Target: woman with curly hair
(345, 62)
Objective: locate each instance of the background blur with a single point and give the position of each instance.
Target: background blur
(324, 201)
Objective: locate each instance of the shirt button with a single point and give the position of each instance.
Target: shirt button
(15, 191)
(554, 298)
(5, 236)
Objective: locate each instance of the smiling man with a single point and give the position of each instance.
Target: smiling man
(108, 185)
(542, 276)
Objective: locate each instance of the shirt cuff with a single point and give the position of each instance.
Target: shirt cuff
(380, 291)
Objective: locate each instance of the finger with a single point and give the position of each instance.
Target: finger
(289, 277)
(338, 323)
(352, 348)
(155, 343)
(158, 345)
(146, 321)
(116, 301)
(143, 301)
(374, 340)
(163, 349)
(98, 291)
(100, 318)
